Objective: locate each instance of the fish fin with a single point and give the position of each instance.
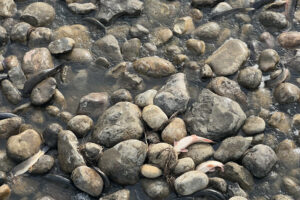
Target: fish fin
(212, 170)
(184, 150)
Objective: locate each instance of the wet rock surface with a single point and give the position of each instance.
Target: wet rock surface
(80, 125)
(43, 92)
(156, 188)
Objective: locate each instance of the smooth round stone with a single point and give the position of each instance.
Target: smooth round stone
(196, 14)
(156, 188)
(80, 125)
(38, 14)
(273, 19)
(183, 25)
(138, 31)
(5, 190)
(119, 195)
(50, 134)
(150, 171)
(196, 46)
(145, 98)
(52, 110)
(268, 59)
(10, 126)
(65, 116)
(40, 37)
(121, 95)
(79, 55)
(175, 131)
(218, 184)
(184, 165)
(23, 145)
(281, 197)
(91, 151)
(190, 182)
(11, 92)
(19, 32)
(161, 35)
(43, 165)
(43, 91)
(7, 8)
(82, 8)
(199, 152)
(154, 116)
(62, 45)
(3, 36)
(296, 121)
(207, 31)
(11, 62)
(286, 93)
(221, 7)
(250, 77)
(87, 180)
(206, 71)
(254, 125)
(289, 39)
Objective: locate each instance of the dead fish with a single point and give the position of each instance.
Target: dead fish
(24, 166)
(38, 77)
(22, 107)
(210, 166)
(7, 115)
(104, 177)
(182, 144)
(95, 21)
(58, 178)
(229, 12)
(278, 77)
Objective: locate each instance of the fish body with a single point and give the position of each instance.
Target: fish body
(7, 115)
(38, 77)
(95, 21)
(182, 144)
(210, 166)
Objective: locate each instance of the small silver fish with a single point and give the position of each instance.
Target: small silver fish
(182, 144)
(210, 166)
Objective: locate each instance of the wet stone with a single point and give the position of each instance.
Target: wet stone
(234, 189)
(131, 49)
(121, 95)
(174, 131)
(154, 116)
(11, 62)
(218, 184)
(43, 165)
(296, 121)
(91, 151)
(10, 126)
(273, 19)
(281, 197)
(11, 92)
(206, 72)
(120, 32)
(6, 163)
(254, 125)
(287, 156)
(123, 161)
(159, 153)
(199, 152)
(221, 7)
(50, 134)
(156, 188)
(173, 96)
(250, 77)
(38, 14)
(79, 55)
(119, 195)
(183, 25)
(184, 165)
(87, 180)
(40, 37)
(17, 77)
(80, 125)
(190, 182)
(65, 116)
(43, 91)
(208, 31)
(3, 36)
(196, 46)
(152, 138)
(232, 148)
(7, 8)
(131, 81)
(161, 35)
(150, 171)
(289, 39)
(280, 121)
(291, 186)
(268, 60)
(24, 186)
(199, 3)
(138, 31)
(145, 98)
(62, 45)
(228, 58)
(287, 93)
(19, 32)
(196, 14)
(23, 145)
(82, 8)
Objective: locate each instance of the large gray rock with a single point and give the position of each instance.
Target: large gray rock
(273, 19)
(123, 161)
(214, 117)
(259, 160)
(118, 123)
(232, 148)
(228, 58)
(112, 9)
(156, 188)
(190, 182)
(199, 152)
(7, 8)
(68, 155)
(173, 96)
(43, 91)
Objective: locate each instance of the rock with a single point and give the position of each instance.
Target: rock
(3, 36)
(121, 31)
(156, 188)
(43, 165)
(38, 14)
(50, 134)
(121, 95)
(184, 165)
(190, 182)
(239, 174)
(287, 93)
(150, 171)
(154, 116)
(80, 125)
(68, 155)
(234, 189)
(287, 154)
(208, 31)
(250, 77)
(9, 127)
(131, 49)
(79, 55)
(206, 71)
(43, 91)
(296, 121)
(214, 117)
(199, 152)
(196, 46)
(238, 198)
(221, 7)
(82, 8)
(78, 32)
(19, 32)
(228, 58)
(7, 8)
(291, 186)
(280, 121)
(228, 88)
(159, 154)
(196, 14)
(108, 47)
(12, 94)
(17, 77)
(259, 160)
(174, 131)
(254, 125)
(152, 138)
(131, 81)
(183, 25)
(65, 116)
(93, 104)
(261, 98)
(161, 35)
(5, 190)
(46, 198)
(138, 31)
(154, 67)
(22, 146)
(273, 19)
(87, 180)
(200, 3)
(110, 10)
(146, 98)
(40, 37)
(11, 62)
(62, 45)
(91, 151)
(120, 122)
(232, 148)
(289, 39)
(173, 96)
(218, 184)
(36, 60)
(119, 195)
(268, 60)
(6, 163)
(281, 197)
(123, 161)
